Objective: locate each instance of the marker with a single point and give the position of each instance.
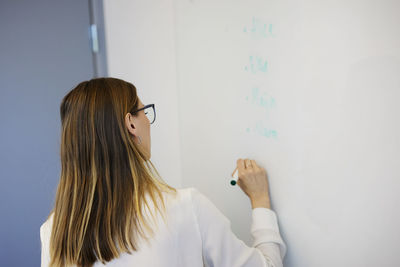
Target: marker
(235, 175)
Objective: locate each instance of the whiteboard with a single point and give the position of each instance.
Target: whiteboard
(310, 90)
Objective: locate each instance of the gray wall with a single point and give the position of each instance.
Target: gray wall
(44, 52)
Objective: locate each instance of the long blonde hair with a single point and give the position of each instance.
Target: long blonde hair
(104, 177)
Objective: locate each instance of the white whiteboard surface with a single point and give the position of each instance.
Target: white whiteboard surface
(310, 90)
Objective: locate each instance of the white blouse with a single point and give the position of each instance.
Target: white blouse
(197, 234)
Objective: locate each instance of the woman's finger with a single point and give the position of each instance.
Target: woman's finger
(240, 164)
(248, 164)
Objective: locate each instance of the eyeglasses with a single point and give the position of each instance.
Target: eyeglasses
(149, 110)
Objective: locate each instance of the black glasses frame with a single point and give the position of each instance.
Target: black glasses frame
(147, 106)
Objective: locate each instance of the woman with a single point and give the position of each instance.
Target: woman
(112, 208)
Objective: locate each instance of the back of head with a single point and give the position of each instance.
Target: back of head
(104, 176)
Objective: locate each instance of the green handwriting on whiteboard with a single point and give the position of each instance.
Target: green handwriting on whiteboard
(259, 29)
(265, 101)
(263, 131)
(266, 132)
(256, 64)
(262, 99)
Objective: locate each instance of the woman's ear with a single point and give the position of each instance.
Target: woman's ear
(129, 123)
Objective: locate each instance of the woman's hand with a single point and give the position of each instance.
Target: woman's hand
(254, 183)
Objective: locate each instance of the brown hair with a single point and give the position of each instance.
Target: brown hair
(104, 177)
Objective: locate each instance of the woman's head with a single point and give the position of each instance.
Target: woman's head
(105, 173)
(104, 108)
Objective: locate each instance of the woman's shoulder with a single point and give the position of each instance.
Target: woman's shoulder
(186, 192)
(184, 199)
(45, 228)
(183, 194)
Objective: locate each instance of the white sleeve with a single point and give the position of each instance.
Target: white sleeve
(222, 248)
(45, 254)
(267, 239)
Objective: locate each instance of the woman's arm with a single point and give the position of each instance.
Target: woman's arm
(222, 248)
